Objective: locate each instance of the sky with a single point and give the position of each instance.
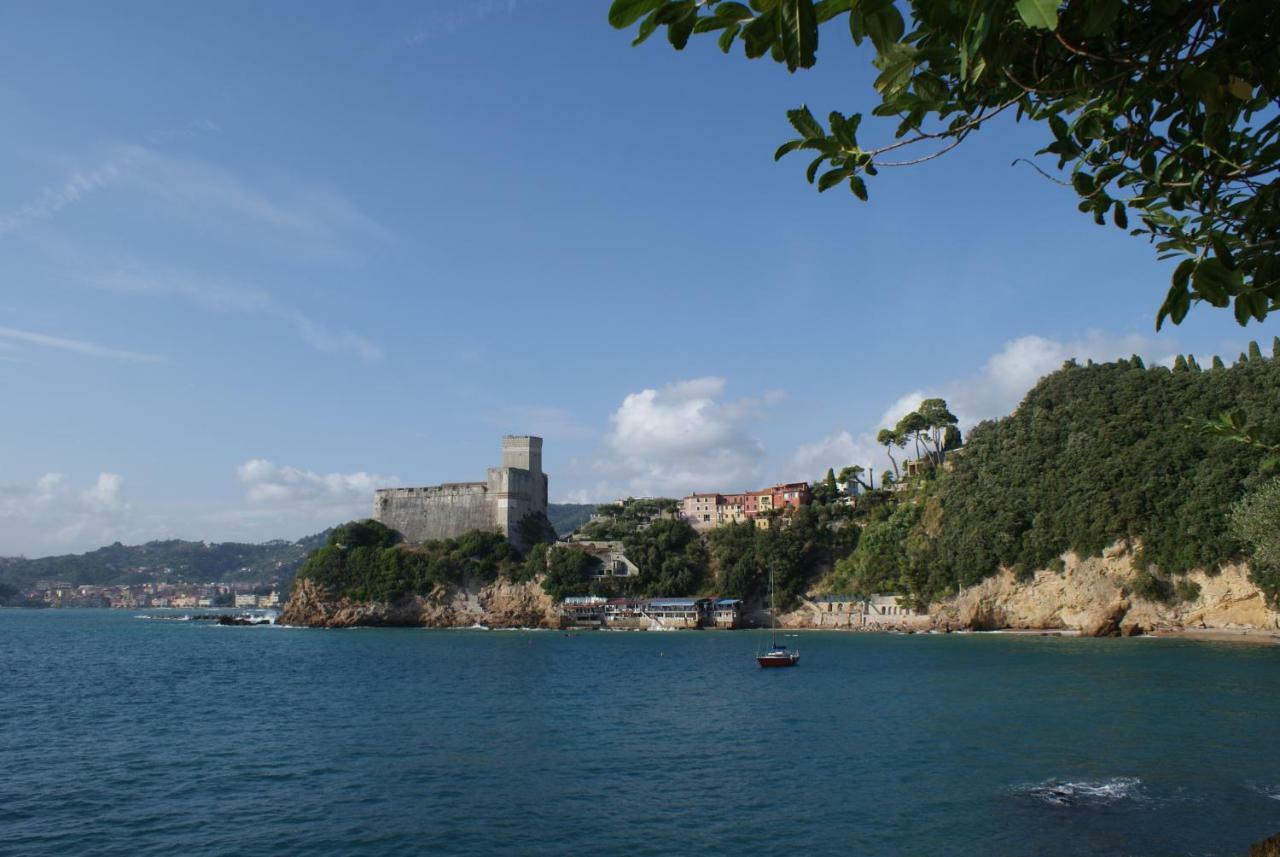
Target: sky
(259, 259)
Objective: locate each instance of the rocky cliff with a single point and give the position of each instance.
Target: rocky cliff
(1090, 596)
(494, 605)
(1093, 596)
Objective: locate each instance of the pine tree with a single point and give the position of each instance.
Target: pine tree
(1192, 364)
(1275, 348)
(1242, 359)
(1180, 364)
(831, 483)
(1217, 362)
(1255, 353)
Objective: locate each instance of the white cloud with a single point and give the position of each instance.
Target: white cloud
(59, 343)
(266, 482)
(105, 493)
(682, 437)
(994, 391)
(51, 516)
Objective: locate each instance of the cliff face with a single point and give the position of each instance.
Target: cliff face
(495, 605)
(1091, 596)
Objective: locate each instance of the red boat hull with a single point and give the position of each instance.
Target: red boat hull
(778, 660)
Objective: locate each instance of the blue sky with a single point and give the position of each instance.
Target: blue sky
(258, 258)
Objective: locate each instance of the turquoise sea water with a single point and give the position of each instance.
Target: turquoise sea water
(121, 735)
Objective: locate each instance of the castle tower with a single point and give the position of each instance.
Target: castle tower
(519, 487)
(523, 452)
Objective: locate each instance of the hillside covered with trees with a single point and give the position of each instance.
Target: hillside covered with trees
(172, 560)
(1094, 454)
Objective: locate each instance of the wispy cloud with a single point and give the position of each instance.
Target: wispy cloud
(89, 349)
(81, 182)
(277, 212)
(71, 189)
(445, 22)
(214, 295)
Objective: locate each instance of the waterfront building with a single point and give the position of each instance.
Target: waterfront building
(726, 613)
(677, 612)
(852, 611)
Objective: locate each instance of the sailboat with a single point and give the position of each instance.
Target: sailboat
(778, 654)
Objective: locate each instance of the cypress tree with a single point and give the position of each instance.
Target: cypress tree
(1255, 353)
(1242, 359)
(1192, 364)
(1217, 362)
(1275, 347)
(1180, 364)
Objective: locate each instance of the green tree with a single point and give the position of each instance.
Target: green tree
(888, 438)
(1159, 108)
(1255, 520)
(832, 490)
(569, 571)
(671, 558)
(853, 475)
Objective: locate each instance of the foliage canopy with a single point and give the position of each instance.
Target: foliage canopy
(1165, 110)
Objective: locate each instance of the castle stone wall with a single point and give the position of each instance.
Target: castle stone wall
(516, 489)
(437, 512)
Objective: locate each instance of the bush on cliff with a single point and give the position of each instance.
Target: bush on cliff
(362, 561)
(568, 572)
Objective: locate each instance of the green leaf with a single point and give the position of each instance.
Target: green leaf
(885, 27)
(1120, 216)
(799, 33)
(1215, 282)
(1222, 251)
(1100, 15)
(647, 26)
(726, 38)
(859, 187)
(1039, 14)
(786, 148)
(812, 171)
(896, 66)
(734, 11)
(804, 122)
(831, 178)
(1176, 303)
(624, 13)
(758, 36)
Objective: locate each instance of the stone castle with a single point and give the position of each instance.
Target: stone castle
(516, 488)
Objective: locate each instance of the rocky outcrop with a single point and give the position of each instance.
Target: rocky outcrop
(1092, 596)
(494, 605)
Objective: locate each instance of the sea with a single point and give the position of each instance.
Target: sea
(138, 733)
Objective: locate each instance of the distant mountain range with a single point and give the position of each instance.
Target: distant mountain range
(175, 560)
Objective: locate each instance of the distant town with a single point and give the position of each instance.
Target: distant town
(241, 595)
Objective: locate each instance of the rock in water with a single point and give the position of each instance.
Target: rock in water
(1269, 847)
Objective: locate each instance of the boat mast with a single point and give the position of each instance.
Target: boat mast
(773, 631)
